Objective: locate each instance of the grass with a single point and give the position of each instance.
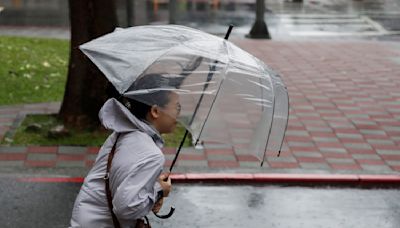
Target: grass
(175, 138)
(76, 138)
(32, 70)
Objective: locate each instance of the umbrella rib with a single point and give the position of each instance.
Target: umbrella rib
(208, 114)
(198, 105)
(209, 76)
(284, 132)
(157, 59)
(270, 128)
(216, 95)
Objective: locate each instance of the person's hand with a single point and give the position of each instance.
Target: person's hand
(157, 206)
(165, 183)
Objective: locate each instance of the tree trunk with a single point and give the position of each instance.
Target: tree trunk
(86, 88)
(259, 29)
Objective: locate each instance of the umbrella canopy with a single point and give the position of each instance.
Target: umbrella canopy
(226, 95)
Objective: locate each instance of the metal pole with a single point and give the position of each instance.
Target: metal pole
(209, 77)
(187, 132)
(129, 13)
(259, 29)
(172, 11)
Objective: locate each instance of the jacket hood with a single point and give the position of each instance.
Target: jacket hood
(116, 117)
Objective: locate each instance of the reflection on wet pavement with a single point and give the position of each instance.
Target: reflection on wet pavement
(26, 204)
(286, 19)
(269, 206)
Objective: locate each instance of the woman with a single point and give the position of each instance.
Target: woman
(135, 180)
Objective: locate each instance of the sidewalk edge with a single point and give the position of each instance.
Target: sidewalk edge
(253, 178)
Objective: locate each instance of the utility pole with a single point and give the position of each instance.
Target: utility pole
(259, 29)
(129, 12)
(172, 11)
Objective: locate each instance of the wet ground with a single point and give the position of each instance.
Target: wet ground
(49, 205)
(366, 19)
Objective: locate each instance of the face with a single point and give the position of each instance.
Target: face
(166, 117)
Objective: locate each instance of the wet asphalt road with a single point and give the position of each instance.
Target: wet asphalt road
(49, 205)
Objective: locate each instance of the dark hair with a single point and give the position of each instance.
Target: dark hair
(140, 105)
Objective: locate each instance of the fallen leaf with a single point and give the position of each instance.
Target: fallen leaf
(46, 64)
(27, 75)
(53, 75)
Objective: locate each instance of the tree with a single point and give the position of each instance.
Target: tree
(259, 29)
(86, 86)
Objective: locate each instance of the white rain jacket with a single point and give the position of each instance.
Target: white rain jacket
(137, 164)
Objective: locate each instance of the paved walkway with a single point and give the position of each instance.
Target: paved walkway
(345, 103)
(344, 116)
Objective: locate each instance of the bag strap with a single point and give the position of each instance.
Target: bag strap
(107, 181)
(108, 191)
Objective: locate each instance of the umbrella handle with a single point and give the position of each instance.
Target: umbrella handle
(170, 213)
(171, 210)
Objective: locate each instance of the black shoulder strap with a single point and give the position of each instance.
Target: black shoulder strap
(107, 180)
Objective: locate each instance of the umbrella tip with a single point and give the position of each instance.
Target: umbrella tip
(262, 163)
(279, 153)
(229, 31)
(197, 141)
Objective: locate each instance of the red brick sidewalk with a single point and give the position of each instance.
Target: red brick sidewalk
(345, 103)
(344, 117)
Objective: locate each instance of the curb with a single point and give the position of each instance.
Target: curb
(230, 178)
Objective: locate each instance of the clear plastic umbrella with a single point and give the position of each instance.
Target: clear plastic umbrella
(227, 96)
